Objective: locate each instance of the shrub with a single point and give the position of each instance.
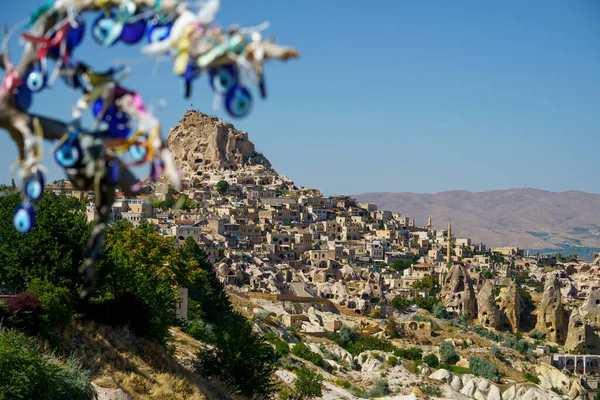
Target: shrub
(532, 378)
(381, 388)
(522, 346)
(431, 360)
(496, 352)
(482, 367)
(303, 351)
(439, 311)
(447, 353)
(241, 359)
(454, 369)
(430, 390)
(414, 353)
(55, 302)
(347, 335)
(537, 335)
(28, 374)
(308, 383)
(23, 310)
(200, 330)
(391, 328)
(282, 348)
(392, 361)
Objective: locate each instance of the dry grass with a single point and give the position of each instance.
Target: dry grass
(141, 368)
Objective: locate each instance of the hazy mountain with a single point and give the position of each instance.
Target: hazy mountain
(528, 218)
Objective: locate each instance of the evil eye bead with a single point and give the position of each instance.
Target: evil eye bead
(75, 35)
(23, 98)
(118, 125)
(134, 32)
(138, 152)
(69, 155)
(24, 218)
(34, 186)
(36, 80)
(102, 29)
(114, 171)
(222, 79)
(157, 31)
(238, 102)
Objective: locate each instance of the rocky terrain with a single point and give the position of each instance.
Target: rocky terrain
(209, 149)
(528, 218)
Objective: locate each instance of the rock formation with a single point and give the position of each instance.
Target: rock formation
(487, 310)
(552, 319)
(584, 325)
(468, 385)
(511, 307)
(210, 149)
(457, 292)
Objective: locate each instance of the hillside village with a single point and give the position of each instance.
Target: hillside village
(307, 265)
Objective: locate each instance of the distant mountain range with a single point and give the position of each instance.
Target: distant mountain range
(527, 218)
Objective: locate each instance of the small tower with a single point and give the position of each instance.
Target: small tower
(449, 255)
(428, 222)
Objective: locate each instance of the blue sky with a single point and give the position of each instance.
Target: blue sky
(419, 96)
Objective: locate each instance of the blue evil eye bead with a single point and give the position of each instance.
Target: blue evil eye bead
(23, 98)
(134, 32)
(113, 168)
(238, 101)
(75, 35)
(102, 29)
(157, 31)
(36, 79)
(24, 218)
(138, 152)
(222, 79)
(34, 186)
(118, 124)
(69, 154)
(191, 73)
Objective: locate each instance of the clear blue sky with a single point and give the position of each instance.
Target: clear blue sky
(420, 96)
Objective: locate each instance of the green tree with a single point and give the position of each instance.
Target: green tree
(439, 310)
(482, 367)
(431, 360)
(401, 265)
(56, 303)
(52, 251)
(205, 287)
(347, 336)
(139, 262)
(241, 358)
(447, 353)
(221, 187)
(309, 384)
(429, 284)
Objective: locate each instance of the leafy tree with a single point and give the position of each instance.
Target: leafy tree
(141, 264)
(401, 265)
(482, 367)
(447, 353)
(56, 303)
(413, 353)
(241, 359)
(221, 187)
(52, 251)
(205, 287)
(431, 360)
(439, 311)
(303, 351)
(309, 384)
(487, 274)
(347, 335)
(429, 284)
(392, 329)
